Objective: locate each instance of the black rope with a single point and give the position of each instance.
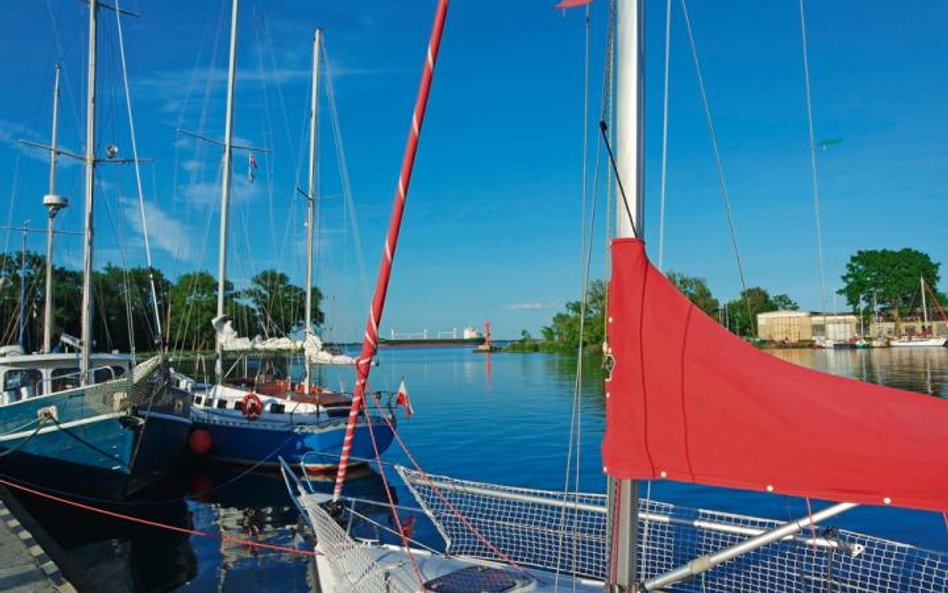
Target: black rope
(603, 128)
(85, 442)
(22, 443)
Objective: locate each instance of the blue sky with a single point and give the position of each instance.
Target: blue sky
(492, 229)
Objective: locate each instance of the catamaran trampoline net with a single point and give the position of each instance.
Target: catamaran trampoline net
(568, 533)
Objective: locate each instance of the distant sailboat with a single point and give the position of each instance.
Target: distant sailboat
(926, 336)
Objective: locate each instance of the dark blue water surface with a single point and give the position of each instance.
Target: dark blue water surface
(501, 418)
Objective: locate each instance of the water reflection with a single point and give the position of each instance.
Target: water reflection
(112, 555)
(924, 370)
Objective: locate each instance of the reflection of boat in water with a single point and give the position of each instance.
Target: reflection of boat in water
(111, 555)
(255, 506)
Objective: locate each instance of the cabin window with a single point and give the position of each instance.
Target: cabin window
(118, 370)
(102, 375)
(198, 399)
(20, 383)
(65, 378)
(222, 403)
(277, 408)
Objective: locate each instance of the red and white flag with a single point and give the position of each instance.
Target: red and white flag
(572, 3)
(402, 399)
(251, 168)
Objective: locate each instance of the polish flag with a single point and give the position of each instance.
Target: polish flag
(401, 399)
(572, 3)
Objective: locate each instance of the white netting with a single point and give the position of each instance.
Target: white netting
(353, 568)
(548, 530)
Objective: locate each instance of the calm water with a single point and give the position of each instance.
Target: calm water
(503, 418)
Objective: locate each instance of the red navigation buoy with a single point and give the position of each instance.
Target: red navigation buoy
(199, 443)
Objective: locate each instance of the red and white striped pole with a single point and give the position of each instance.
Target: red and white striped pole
(371, 340)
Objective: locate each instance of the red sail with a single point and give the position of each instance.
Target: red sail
(689, 401)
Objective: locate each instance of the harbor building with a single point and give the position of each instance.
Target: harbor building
(805, 326)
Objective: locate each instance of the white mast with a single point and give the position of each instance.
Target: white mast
(225, 190)
(921, 280)
(90, 196)
(630, 102)
(54, 203)
(311, 200)
(630, 28)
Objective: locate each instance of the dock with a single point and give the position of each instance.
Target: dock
(24, 565)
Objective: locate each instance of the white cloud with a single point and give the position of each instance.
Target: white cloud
(165, 233)
(530, 306)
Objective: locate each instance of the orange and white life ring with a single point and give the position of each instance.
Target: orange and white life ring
(251, 406)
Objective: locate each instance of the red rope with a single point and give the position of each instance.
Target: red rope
(156, 524)
(388, 494)
(370, 343)
(464, 520)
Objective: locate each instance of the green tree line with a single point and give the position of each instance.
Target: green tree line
(884, 282)
(123, 314)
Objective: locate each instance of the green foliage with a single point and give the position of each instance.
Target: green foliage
(564, 332)
(697, 291)
(123, 312)
(281, 305)
(742, 312)
(891, 276)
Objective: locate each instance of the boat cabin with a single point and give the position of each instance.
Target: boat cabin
(30, 375)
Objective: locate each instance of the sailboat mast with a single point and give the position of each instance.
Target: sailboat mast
(921, 281)
(54, 203)
(630, 29)
(85, 360)
(371, 339)
(311, 199)
(225, 189)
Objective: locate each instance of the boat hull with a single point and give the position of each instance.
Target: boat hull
(918, 343)
(87, 449)
(315, 444)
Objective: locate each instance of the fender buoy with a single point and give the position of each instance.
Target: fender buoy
(199, 443)
(251, 406)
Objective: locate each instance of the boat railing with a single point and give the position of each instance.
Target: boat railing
(567, 533)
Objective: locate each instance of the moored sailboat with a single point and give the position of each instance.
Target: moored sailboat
(685, 401)
(257, 428)
(926, 336)
(88, 422)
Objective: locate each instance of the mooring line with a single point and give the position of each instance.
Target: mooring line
(132, 519)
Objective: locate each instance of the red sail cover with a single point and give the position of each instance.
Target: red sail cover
(689, 401)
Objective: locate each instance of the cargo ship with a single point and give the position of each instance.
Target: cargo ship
(442, 339)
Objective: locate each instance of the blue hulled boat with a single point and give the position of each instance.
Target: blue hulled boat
(248, 428)
(107, 439)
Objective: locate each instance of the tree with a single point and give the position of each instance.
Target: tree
(281, 305)
(697, 291)
(564, 330)
(783, 302)
(192, 304)
(890, 276)
(742, 312)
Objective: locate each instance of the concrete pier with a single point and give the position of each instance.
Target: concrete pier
(24, 564)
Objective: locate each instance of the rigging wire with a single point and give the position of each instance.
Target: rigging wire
(813, 169)
(344, 174)
(138, 183)
(664, 174)
(717, 160)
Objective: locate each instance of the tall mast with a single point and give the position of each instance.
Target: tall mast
(311, 199)
(54, 203)
(630, 35)
(22, 315)
(921, 281)
(225, 190)
(90, 196)
(371, 340)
